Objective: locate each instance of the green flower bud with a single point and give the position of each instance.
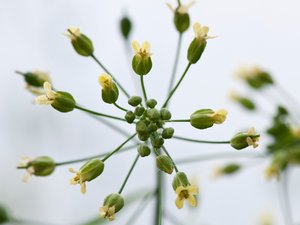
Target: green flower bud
(4, 217)
(129, 117)
(61, 101)
(152, 127)
(88, 172)
(125, 25)
(135, 101)
(153, 114)
(244, 139)
(227, 170)
(180, 179)
(113, 203)
(141, 62)
(141, 127)
(205, 118)
(139, 110)
(160, 123)
(110, 91)
(165, 114)
(164, 163)
(156, 140)
(143, 137)
(151, 103)
(35, 78)
(181, 21)
(81, 43)
(243, 101)
(167, 133)
(144, 150)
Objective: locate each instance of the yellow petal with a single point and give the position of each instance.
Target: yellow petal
(83, 187)
(179, 203)
(170, 7)
(103, 210)
(197, 29)
(146, 46)
(192, 200)
(136, 46)
(43, 100)
(179, 189)
(193, 190)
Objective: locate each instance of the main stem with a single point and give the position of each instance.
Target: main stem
(175, 61)
(106, 70)
(143, 88)
(284, 199)
(129, 173)
(118, 148)
(158, 205)
(98, 114)
(176, 86)
(201, 141)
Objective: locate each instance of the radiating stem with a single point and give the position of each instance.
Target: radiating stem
(118, 148)
(175, 61)
(120, 107)
(98, 114)
(178, 121)
(200, 141)
(129, 173)
(167, 153)
(176, 86)
(106, 70)
(143, 88)
(179, 3)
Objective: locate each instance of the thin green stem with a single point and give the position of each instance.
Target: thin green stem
(176, 86)
(167, 153)
(158, 205)
(178, 2)
(171, 84)
(118, 148)
(215, 156)
(91, 157)
(120, 107)
(201, 141)
(129, 173)
(143, 88)
(106, 70)
(99, 114)
(176, 121)
(19, 72)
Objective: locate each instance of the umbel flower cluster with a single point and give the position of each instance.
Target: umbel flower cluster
(152, 120)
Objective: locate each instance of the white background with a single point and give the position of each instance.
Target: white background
(257, 31)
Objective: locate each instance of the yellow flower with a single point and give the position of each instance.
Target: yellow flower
(49, 96)
(29, 170)
(73, 33)
(105, 80)
(219, 116)
(187, 193)
(201, 32)
(143, 51)
(107, 212)
(77, 179)
(182, 9)
(246, 72)
(252, 138)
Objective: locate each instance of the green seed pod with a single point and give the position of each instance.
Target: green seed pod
(81, 43)
(36, 78)
(180, 179)
(42, 166)
(165, 164)
(230, 169)
(63, 102)
(181, 21)
(165, 114)
(135, 101)
(139, 110)
(156, 140)
(168, 133)
(151, 103)
(110, 95)
(205, 118)
(144, 150)
(153, 114)
(129, 117)
(195, 50)
(152, 127)
(4, 217)
(244, 139)
(125, 27)
(91, 170)
(141, 65)
(141, 127)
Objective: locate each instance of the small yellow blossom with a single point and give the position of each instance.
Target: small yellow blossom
(73, 33)
(219, 116)
(182, 9)
(187, 193)
(272, 171)
(143, 51)
(77, 179)
(49, 96)
(201, 32)
(252, 138)
(246, 72)
(105, 80)
(107, 212)
(29, 170)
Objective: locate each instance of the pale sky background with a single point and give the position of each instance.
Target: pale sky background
(263, 32)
